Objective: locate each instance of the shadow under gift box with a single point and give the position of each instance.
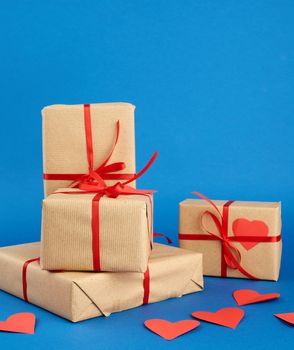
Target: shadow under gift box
(65, 144)
(78, 296)
(256, 219)
(122, 241)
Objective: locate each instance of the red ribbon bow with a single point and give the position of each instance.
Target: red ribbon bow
(96, 184)
(112, 192)
(230, 255)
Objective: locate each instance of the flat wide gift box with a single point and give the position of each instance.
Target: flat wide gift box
(78, 296)
(89, 232)
(237, 238)
(77, 139)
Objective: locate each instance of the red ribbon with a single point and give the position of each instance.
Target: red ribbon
(146, 286)
(230, 254)
(146, 279)
(104, 171)
(24, 277)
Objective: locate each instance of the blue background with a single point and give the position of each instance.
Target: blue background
(213, 84)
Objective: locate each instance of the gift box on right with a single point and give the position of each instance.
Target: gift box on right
(237, 238)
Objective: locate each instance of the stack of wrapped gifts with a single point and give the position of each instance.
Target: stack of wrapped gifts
(96, 254)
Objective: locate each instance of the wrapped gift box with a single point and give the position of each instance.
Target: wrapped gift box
(78, 296)
(69, 131)
(250, 231)
(80, 234)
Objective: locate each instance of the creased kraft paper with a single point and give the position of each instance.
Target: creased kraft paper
(79, 296)
(125, 232)
(64, 142)
(262, 261)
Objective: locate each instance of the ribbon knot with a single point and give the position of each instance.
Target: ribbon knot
(230, 252)
(109, 191)
(114, 191)
(96, 177)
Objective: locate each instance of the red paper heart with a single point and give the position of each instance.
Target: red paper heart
(19, 323)
(228, 317)
(288, 317)
(249, 296)
(244, 227)
(169, 330)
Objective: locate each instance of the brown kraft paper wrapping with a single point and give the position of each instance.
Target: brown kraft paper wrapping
(64, 140)
(123, 242)
(262, 259)
(78, 296)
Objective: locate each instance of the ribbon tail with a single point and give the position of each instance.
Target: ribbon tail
(131, 190)
(88, 132)
(208, 201)
(169, 241)
(141, 172)
(112, 148)
(114, 167)
(239, 267)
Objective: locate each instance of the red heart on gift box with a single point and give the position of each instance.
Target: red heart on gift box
(170, 330)
(244, 227)
(228, 317)
(249, 296)
(288, 317)
(19, 323)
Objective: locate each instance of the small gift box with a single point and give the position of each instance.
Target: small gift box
(77, 296)
(95, 232)
(236, 238)
(79, 139)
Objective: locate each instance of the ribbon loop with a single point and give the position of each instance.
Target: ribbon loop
(217, 222)
(230, 250)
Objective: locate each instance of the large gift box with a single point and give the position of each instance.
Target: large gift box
(77, 296)
(93, 232)
(237, 238)
(77, 139)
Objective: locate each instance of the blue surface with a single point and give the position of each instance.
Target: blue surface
(213, 83)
